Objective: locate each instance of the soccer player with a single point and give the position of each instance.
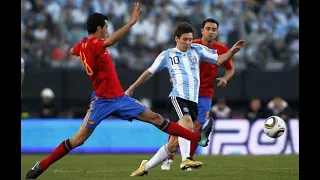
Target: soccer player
(183, 65)
(108, 96)
(208, 72)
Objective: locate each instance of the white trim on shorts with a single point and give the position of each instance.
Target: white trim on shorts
(176, 107)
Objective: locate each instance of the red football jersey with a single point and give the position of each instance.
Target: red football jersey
(99, 67)
(208, 71)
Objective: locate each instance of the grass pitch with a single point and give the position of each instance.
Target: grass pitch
(119, 167)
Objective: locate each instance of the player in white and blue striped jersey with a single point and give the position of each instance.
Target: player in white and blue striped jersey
(183, 65)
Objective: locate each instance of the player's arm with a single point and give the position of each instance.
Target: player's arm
(229, 67)
(228, 74)
(235, 49)
(143, 78)
(123, 30)
(211, 55)
(229, 70)
(158, 65)
(224, 80)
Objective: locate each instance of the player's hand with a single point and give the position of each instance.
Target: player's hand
(222, 82)
(171, 80)
(237, 46)
(135, 12)
(129, 92)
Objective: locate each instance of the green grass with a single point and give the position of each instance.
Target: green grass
(119, 167)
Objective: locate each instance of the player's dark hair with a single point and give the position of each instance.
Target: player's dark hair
(94, 21)
(182, 28)
(210, 20)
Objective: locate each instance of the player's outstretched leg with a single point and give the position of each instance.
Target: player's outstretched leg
(175, 129)
(62, 150)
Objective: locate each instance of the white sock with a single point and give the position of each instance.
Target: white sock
(158, 158)
(184, 148)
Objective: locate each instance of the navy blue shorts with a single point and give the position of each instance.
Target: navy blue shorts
(123, 107)
(204, 105)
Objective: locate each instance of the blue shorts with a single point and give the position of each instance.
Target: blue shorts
(123, 107)
(204, 105)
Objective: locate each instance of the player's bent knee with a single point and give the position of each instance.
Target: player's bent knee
(156, 119)
(151, 117)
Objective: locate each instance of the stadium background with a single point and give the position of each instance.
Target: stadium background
(268, 67)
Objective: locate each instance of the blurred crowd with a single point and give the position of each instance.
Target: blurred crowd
(49, 28)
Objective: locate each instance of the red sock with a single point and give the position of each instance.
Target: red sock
(177, 130)
(193, 148)
(58, 153)
(171, 157)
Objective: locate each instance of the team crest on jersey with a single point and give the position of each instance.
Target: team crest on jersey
(193, 59)
(186, 110)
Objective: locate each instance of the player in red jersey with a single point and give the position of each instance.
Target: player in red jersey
(108, 96)
(208, 74)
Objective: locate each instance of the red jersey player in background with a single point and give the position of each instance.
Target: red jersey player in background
(208, 72)
(108, 97)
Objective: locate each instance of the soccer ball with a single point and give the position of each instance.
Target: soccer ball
(274, 126)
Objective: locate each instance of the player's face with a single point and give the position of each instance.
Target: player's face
(209, 31)
(104, 30)
(184, 42)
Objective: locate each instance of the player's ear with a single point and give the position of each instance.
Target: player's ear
(176, 39)
(99, 28)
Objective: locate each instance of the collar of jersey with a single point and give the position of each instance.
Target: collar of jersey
(180, 51)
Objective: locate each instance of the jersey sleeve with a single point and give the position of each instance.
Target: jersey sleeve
(76, 49)
(207, 54)
(228, 64)
(159, 63)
